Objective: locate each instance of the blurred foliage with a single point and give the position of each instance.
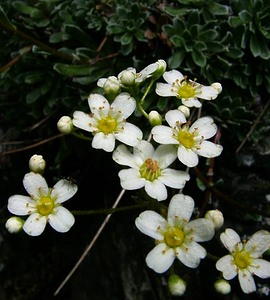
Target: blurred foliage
(225, 41)
(53, 52)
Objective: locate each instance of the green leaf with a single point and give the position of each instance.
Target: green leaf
(198, 58)
(235, 21)
(28, 10)
(177, 41)
(73, 70)
(78, 34)
(219, 9)
(4, 20)
(208, 35)
(126, 38)
(254, 45)
(176, 59)
(245, 16)
(172, 11)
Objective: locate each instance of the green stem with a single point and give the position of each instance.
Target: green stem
(146, 91)
(107, 211)
(14, 30)
(81, 136)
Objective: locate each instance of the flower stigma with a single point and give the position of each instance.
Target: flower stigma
(242, 259)
(150, 169)
(107, 125)
(45, 205)
(186, 139)
(185, 89)
(174, 237)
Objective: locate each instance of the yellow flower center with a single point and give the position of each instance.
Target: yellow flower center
(174, 237)
(242, 259)
(107, 125)
(45, 205)
(150, 169)
(186, 139)
(186, 90)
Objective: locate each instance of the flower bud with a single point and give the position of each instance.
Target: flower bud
(217, 86)
(222, 286)
(185, 110)
(127, 77)
(216, 217)
(14, 224)
(37, 164)
(65, 125)
(155, 118)
(161, 68)
(111, 87)
(176, 285)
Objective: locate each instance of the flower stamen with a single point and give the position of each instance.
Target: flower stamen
(150, 169)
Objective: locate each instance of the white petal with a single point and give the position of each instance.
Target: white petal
(246, 282)
(230, 239)
(124, 104)
(160, 258)
(165, 155)
(227, 267)
(61, 219)
(164, 135)
(144, 150)
(165, 90)
(63, 190)
(205, 127)
(123, 157)
(174, 117)
(174, 178)
(98, 104)
(101, 82)
(156, 190)
(194, 102)
(82, 121)
(171, 76)
(201, 230)
(131, 179)
(104, 141)
(209, 149)
(260, 267)
(130, 134)
(152, 224)
(258, 243)
(35, 224)
(147, 71)
(187, 156)
(208, 93)
(190, 255)
(35, 185)
(21, 205)
(180, 208)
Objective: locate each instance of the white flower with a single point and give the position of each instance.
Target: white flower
(191, 140)
(37, 164)
(244, 258)
(177, 286)
(14, 224)
(43, 204)
(149, 169)
(216, 217)
(108, 122)
(222, 286)
(130, 76)
(65, 125)
(176, 237)
(187, 90)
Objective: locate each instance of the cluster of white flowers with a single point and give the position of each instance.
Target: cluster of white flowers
(176, 232)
